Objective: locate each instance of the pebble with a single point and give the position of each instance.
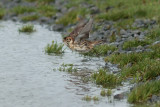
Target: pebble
(119, 96)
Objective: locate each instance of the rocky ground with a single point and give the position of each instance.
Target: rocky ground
(127, 38)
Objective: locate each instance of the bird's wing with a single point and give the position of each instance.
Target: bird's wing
(84, 33)
(78, 28)
(87, 28)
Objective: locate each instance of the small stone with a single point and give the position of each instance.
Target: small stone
(15, 19)
(136, 35)
(154, 98)
(157, 42)
(94, 10)
(118, 39)
(124, 36)
(118, 89)
(108, 8)
(140, 47)
(138, 51)
(43, 19)
(128, 52)
(129, 65)
(148, 50)
(114, 44)
(58, 15)
(122, 32)
(109, 52)
(119, 96)
(58, 27)
(158, 78)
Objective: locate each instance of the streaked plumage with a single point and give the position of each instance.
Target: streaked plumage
(84, 33)
(77, 38)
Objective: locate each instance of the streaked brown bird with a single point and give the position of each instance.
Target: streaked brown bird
(77, 38)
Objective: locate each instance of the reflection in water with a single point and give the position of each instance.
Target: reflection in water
(27, 78)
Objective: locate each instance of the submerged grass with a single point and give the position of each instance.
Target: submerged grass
(54, 48)
(27, 28)
(103, 93)
(100, 50)
(67, 68)
(87, 98)
(106, 93)
(95, 98)
(143, 92)
(106, 80)
(109, 92)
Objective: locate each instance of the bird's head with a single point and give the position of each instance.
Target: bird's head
(68, 40)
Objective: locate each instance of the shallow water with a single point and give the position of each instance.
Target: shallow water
(28, 77)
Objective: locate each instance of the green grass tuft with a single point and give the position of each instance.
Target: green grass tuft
(100, 50)
(109, 92)
(143, 92)
(144, 70)
(67, 68)
(114, 15)
(54, 48)
(27, 28)
(103, 93)
(22, 9)
(106, 80)
(47, 10)
(154, 34)
(87, 98)
(95, 98)
(30, 18)
(112, 38)
(134, 43)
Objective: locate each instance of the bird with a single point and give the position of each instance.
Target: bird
(75, 31)
(77, 39)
